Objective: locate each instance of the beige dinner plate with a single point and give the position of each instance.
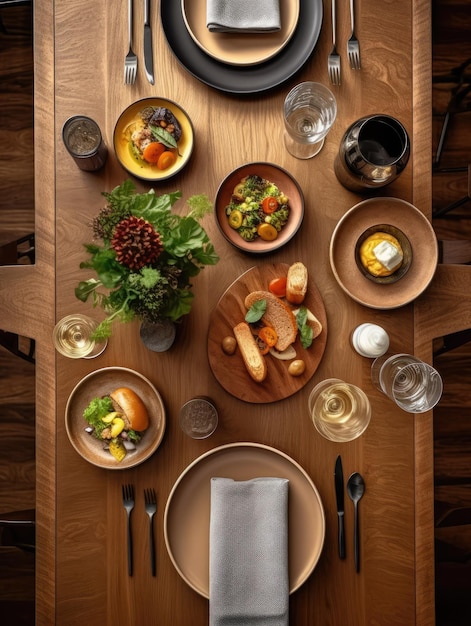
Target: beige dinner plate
(424, 251)
(100, 383)
(236, 48)
(187, 512)
(230, 371)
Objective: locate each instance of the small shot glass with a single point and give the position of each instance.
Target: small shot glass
(198, 418)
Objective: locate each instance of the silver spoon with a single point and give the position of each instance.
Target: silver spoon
(356, 489)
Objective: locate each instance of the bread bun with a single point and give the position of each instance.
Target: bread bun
(253, 360)
(296, 283)
(278, 315)
(132, 407)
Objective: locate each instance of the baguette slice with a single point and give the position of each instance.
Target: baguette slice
(296, 283)
(278, 315)
(253, 360)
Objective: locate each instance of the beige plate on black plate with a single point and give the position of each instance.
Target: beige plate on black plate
(415, 227)
(98, 384)
(187, 513)
(230, 371)
(237, 48)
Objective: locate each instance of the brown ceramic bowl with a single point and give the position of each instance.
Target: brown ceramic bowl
(415, 227)
(285, 183)
(100, 383)
(406, 250)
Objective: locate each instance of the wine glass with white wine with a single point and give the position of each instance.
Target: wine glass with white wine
(72, 337)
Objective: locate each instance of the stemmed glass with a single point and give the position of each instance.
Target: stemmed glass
(72, 337)
(309, 111)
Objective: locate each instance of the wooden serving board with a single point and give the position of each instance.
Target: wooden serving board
(230, 370)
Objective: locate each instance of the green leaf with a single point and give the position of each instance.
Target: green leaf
(256, 311)
(85, 288)
(163, 136)
(305, 331)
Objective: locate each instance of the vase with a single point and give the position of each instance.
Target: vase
(158, 336)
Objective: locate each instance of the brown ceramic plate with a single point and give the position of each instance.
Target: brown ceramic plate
(138, 168)
(236, 48)
(285, 183)
(187, 513)
(415, 227)
(230, 371)
(100, 383)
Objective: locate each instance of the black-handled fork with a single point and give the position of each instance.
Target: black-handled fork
(151, 508)
(128, 501)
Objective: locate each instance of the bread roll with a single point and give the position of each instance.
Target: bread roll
(296, 283)
(132, 407)
(253, 360)
(278, 315)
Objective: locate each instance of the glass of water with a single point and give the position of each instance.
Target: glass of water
(309, 111)
(415, 386)
(340, 411)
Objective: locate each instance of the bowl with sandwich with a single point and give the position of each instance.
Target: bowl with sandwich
(115, 418)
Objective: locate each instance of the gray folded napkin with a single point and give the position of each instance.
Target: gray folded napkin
(248, 555)
(243, 16)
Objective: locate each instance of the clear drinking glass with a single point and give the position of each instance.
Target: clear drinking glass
(72, 337)
(309, 112)
(198, 418)
(340, 411)
(414, 386)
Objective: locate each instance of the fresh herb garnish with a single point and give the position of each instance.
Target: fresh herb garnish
(95, 411)
(305, 331)
(256, 311)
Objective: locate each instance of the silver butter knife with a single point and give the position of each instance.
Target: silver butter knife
(148, 56)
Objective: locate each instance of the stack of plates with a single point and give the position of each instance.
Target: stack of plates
(241, 63)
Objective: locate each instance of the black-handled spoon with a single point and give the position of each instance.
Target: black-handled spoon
(356, 489)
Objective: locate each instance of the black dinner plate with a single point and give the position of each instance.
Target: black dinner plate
(235, 79)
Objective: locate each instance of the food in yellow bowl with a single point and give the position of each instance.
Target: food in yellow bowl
(381, 254)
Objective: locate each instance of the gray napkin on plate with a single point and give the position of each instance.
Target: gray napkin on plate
(248, 559)
(243, 16)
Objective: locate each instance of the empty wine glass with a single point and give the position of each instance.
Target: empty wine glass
(414, 386)
(72, 337)
(309, 110)
(340, 411)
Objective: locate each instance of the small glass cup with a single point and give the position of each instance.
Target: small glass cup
(340, 411)
(198, 418)
(82, 138)
(309, 111)
(72, 337)
(413, 385)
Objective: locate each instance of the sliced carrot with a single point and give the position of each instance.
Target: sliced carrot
(153, 151)
(166, 160)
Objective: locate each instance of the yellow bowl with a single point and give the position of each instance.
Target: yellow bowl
(137, 167)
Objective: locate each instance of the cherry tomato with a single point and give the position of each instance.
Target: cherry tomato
(267, 232)
(269, 205)
(277, 286)
(268, 335)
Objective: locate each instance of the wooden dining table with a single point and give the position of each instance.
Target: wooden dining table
(81, 568)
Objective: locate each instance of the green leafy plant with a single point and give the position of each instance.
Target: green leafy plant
(145, 256)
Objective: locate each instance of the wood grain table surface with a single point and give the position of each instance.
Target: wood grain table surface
(81, 557)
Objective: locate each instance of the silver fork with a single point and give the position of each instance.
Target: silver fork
(151, 508)
(130, 62)
(128, 501)
(334, 57)
(353, 45)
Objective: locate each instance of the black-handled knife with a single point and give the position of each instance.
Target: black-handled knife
(148, 56)
(339, 492)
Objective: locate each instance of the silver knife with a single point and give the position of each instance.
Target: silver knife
(338, 476)
(148, 57)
